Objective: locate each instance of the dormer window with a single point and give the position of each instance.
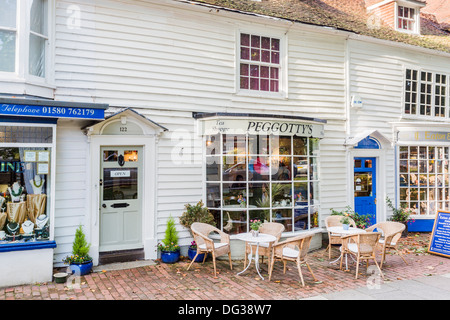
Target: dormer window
(406, 18)
(400, 15)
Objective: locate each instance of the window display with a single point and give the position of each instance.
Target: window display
(266, 177)
(424, 178)
(24, 186)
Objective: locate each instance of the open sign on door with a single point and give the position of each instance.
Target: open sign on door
(120, 173)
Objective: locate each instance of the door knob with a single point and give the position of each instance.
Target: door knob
(104, 205)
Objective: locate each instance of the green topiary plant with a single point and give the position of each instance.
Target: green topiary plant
(170, 241)
(196, 213)
(80, 249)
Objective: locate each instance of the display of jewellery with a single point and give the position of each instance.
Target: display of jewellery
(22, 215)
(24, 183)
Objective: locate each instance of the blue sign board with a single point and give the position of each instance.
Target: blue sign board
(51, 111)
(440, 237)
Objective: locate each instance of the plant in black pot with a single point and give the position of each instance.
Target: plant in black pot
(196, 213)
(80, 262)
(402, 215)
(170, 250)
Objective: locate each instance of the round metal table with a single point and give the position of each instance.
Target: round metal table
(248, 237)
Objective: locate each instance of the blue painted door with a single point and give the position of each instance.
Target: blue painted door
(365, 187)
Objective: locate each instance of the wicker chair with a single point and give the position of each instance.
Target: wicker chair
(392, 232)
(206, 245)
(335, 221)
(363, 247)
(294, 249)
(265, 249)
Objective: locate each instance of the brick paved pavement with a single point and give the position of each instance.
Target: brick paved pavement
(173, 282)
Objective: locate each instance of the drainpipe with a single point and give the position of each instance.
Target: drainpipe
(347, 85)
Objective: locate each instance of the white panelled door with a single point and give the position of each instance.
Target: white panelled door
(121, 198)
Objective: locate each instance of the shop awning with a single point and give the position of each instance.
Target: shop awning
(40, 108)
(259, 124)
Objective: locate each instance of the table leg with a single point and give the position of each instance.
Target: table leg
(339, 258)
(250, 256)
(257, 260)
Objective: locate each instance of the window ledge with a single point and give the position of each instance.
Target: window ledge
(262, 95)
(422, 118)
(29, 86)
(37, 245)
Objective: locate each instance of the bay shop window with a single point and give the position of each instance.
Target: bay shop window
(25, 183)
(424, 179)
(24, 37)
(262, 169)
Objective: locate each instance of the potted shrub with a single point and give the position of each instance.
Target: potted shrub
(80, 262)
(196, 213)
(361, 221)
(170, 250)
(192, 251)
(401, 215)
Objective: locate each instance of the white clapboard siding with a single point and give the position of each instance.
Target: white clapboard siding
(377, 76)
(167, 62)
(71, 187)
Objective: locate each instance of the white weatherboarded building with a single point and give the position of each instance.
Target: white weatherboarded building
(182, 84)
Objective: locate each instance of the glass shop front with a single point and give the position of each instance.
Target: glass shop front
(262, 169)
(25, 182)
(424, 174)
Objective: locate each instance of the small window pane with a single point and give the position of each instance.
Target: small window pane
(213, 195)
(130, 155)
(259, 168)
(8, 13)
(235, 169)
(213, 168)
(284, 216)
(26, 134)
(37, 56)
(38, 17)
(7, 51)
(259, 195)
(300, 145)
(110, 155)
(245, 40)
(117, 187)
(281, 168)
(258, 144)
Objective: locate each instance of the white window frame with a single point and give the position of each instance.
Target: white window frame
(433, 116)
(21, 81)
(283, 73)
(416, 29)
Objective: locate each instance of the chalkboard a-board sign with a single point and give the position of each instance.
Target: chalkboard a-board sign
(440, 238)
